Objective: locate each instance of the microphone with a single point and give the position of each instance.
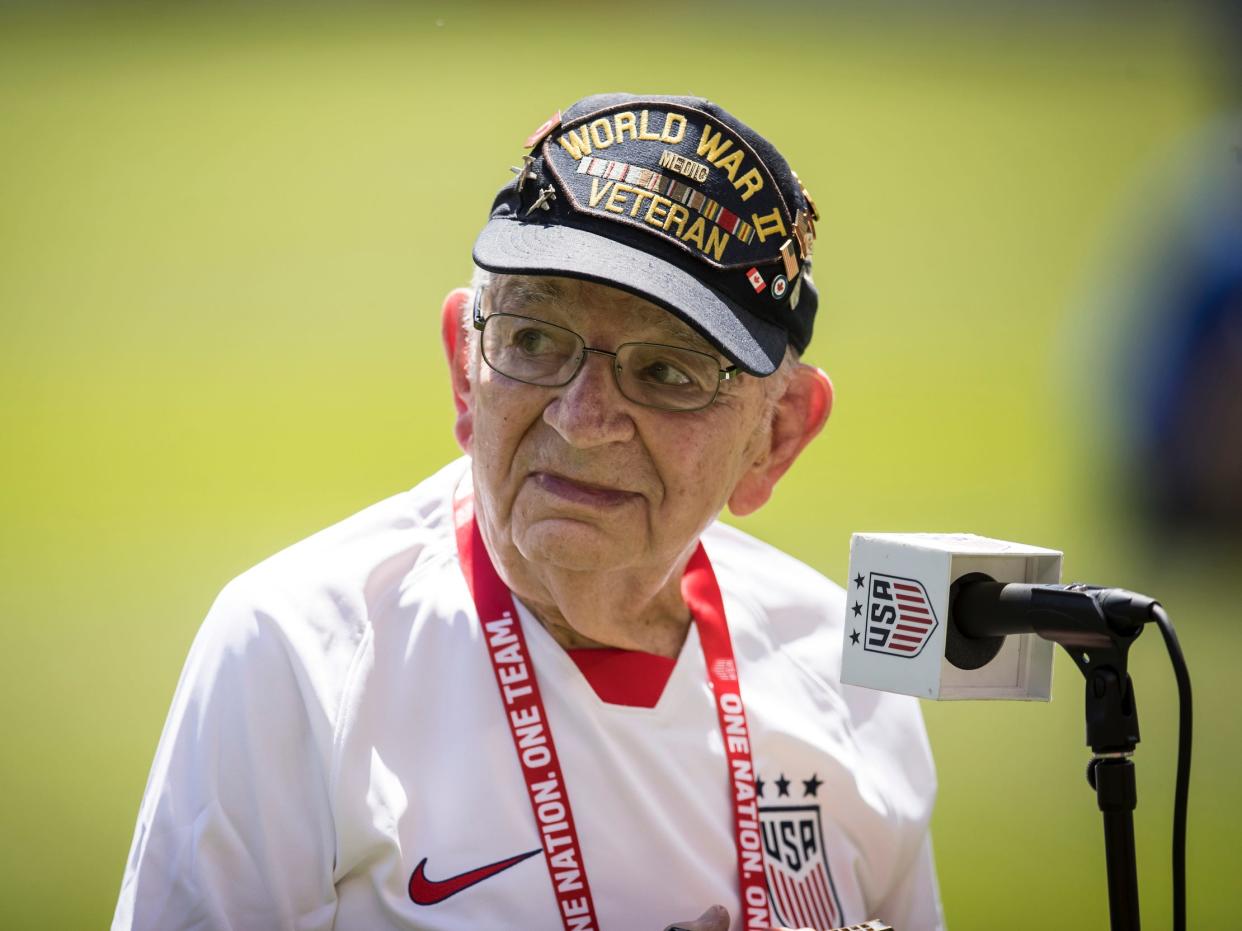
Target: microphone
(1074, 615)
(955, 616)
(959, 616)
(903, 630)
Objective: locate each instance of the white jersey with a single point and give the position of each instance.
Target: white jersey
(337, 748)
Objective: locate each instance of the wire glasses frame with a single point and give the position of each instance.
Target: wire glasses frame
(535, 352)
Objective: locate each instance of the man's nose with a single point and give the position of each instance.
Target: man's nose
(590, 410)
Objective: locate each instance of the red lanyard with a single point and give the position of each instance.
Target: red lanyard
(536, 751)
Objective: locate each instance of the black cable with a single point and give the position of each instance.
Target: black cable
(1182, 791)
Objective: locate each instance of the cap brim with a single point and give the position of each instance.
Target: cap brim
(509, 246)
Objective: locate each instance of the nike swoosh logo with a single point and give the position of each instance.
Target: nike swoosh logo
(424, 891)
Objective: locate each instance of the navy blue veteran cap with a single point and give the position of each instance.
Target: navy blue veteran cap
(672, 199)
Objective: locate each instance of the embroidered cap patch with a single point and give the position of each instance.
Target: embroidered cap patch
(677, 173)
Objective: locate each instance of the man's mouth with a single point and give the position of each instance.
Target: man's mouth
(581, 492)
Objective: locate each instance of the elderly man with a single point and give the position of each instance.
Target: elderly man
(544, 688)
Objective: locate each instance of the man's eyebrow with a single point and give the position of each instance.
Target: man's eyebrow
(515, 292)
(674, 330)
(519, 291)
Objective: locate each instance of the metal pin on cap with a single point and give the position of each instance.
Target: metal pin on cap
(545, 194)
(525, 172)
(791, 260)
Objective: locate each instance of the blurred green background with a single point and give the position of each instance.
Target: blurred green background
(226, 232)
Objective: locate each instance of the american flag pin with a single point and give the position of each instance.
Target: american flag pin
(545, 194)
(790, 259)
(795, 295)
(804, 231)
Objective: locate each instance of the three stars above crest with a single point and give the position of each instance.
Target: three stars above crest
(810, 787)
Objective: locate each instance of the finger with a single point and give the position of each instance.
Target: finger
(716, 918)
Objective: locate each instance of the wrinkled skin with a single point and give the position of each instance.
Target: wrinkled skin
(591, 504)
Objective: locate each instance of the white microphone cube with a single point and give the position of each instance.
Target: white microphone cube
(897, 616)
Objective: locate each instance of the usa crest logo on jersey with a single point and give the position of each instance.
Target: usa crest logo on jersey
(800, 886)
(900, 618)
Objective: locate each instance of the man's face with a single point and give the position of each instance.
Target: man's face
(579, 477)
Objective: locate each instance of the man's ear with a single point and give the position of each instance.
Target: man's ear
(801, 413)
(457, 351)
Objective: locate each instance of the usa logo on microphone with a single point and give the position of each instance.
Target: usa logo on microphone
(900, 618)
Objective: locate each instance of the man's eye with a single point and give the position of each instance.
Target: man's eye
(534, 342)
(662, 372)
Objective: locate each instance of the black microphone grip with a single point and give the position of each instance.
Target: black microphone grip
(1073, 615)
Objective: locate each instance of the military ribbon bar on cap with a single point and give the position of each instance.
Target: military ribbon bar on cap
(677, 173)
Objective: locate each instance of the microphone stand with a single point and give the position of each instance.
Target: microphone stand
(1112, 732)
(1096, 626)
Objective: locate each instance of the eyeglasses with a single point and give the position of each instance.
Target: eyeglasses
(670, 378)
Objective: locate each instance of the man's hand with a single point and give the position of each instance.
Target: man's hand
(715, 918)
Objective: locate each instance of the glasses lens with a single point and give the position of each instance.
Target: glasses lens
(530, 350)
(668, 377)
